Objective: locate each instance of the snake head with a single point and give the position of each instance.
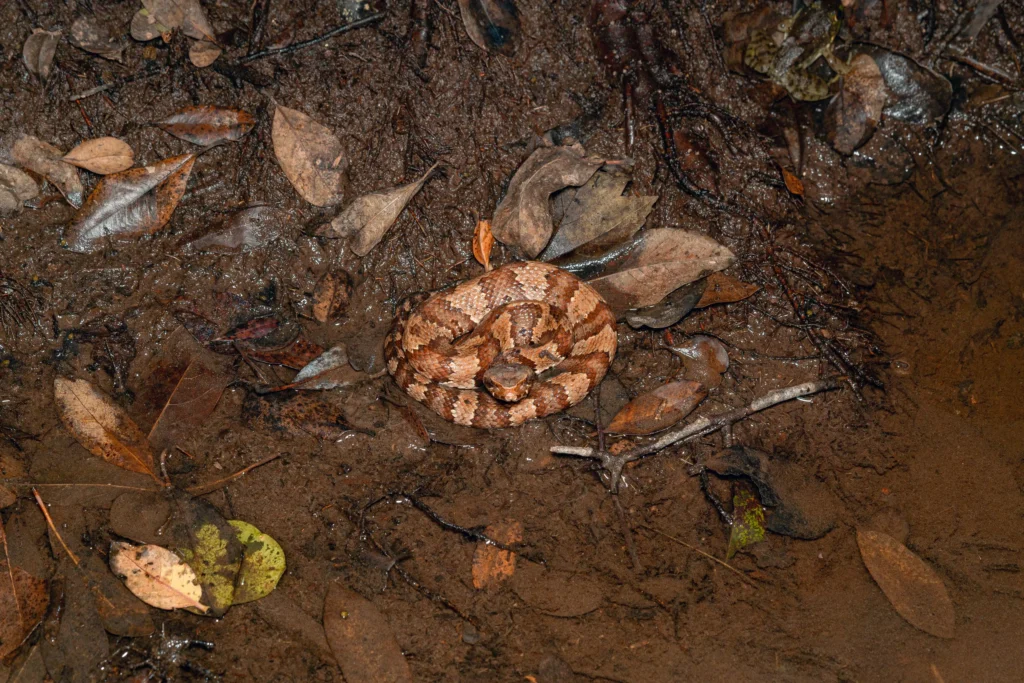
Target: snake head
(508, 382)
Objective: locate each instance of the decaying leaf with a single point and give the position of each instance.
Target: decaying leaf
(369, 217)
(492, 566)
(917, 94)
(90, 35)
(853, 114)
(523, 218)
(204, 539)
(747, 521)
(102, 155)
(101, 426)
(669, 310)
(361, 639)
(245, 230)
(492, 24)
(23, 603)
(331, 296)
(131, 203)
(39, 50)
(203, 53)
(311, 156)
(207, 126)
(725, 289)
(663, 260)
(914, 589)
(263, 563)
(156, 576)
(145, 27)
(599, 216)
(658, 409)
(331, 370)
(295, 355)
(188, 15)
(305, 414)
(46, 160)
(16, 188)
(483, 242)
(194, 399)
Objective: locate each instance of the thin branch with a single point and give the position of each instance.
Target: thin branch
(203, 489)
(295, 47)
(49, 520)
(697, 550)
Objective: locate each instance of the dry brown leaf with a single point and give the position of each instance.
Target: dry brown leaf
(188, 15)
(361, 639)
(193, 400)
(369, 217)
(793, 184)
(523, 218)
(492, 24)
(131, 203)
(913, 588)
(853, 114)
(658, 409)
(207, 126)
(39, 50)
(203, 53)
(247, 229)
(599, 216)
(483, 242)
(295, 355)
(311, 156)
(145, 27)
(16, 188)
(157, 576)
(90, 35)
(329, 370)
(102, 155)
(46, 160)
(101, 426)
(121, 613)
(724, 289)
(331, 296)
(492, 566)
(23, 603)
(663, 260)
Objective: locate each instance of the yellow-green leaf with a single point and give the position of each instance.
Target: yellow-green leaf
(263, 563)
(747, 521)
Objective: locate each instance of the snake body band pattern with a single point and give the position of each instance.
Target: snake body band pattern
(522, 342)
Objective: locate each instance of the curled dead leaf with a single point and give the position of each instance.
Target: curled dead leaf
(311, 156)
(102, 155)
(483, 242)
(914, 589)
(101, 426)
(131, 203)
(156, 576)
(39, 50)
(369, 217)
(523, 218)
(492, 24)
(46, 160)
(853, 114)
(793, 184)
(16, 188)
(658, 409)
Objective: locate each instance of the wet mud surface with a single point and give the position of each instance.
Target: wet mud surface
(923, 227)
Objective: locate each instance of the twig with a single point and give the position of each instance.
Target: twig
(697, 550)
(614, 464)
(295, 47)
(203, 489)
(49, 520)
(10, 572)
(119, 82)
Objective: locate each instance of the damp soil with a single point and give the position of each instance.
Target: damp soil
(925, 225)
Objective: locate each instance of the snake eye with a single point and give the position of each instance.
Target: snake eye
(508, 382)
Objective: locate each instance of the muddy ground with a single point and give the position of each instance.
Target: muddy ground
(925, 225)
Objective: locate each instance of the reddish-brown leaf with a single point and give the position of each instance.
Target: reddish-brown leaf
(492, 566)
(361, 638)
(23, 603)
(724, 289)
(193, 400)
(793, 184)
(135, 202)
(483, 242)
(257, 328)
(658, 409)
(295, 355)
(207, 126)
(331, 296)
(853, 114)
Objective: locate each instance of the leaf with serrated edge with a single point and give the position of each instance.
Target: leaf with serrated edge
(102, 155)
(156, 576)
(370, 216)
(101, 426)
(310, 155)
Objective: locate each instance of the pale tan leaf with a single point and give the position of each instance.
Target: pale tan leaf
(663, 260)
(311, 156)
(46, 160)
(145, 27)
(90, 35)
(102, 155)
(369, 217)
(853, 114)
(101, 426)
(658, 409)
(491, 565)
(361, 639)
(16, 188)
(157, 576)
(188, 15)
(203, 53)
(39, 50)
(913, 588)
(483, 242)
(523, 218)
